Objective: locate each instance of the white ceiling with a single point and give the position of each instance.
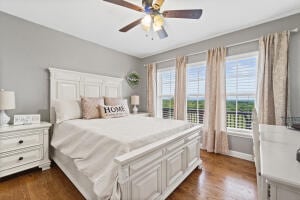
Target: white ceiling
(99, 22)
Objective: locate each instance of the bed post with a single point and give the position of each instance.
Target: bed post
(123, 181)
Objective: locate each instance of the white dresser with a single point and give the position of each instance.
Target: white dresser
(279, 167)
(23, 147)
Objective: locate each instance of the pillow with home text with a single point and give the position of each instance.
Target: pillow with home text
(106, 112)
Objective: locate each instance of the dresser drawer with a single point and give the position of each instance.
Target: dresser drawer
(21, 140)
(8, 161)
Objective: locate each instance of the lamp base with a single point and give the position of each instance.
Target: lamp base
(4, 119)
(135, 109)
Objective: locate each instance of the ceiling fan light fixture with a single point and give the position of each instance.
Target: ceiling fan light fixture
(147, 20)
(156, 28)
(154, 19)
(158, 20)
(146, 28)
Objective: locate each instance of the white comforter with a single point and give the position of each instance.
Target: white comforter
(93, 145)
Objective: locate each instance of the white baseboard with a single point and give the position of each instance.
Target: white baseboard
(237, 154)
(241, 155)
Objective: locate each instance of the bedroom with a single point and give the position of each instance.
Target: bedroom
(58, 51)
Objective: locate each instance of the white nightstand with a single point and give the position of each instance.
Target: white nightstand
(143, 114)
(23, 147)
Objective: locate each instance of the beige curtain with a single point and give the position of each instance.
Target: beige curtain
(272, 78)
(151, 89)
(214, 130)
(180, 89)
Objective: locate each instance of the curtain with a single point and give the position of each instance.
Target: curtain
(272, 78)
(214, 129)
(151, 89)
(180, 89)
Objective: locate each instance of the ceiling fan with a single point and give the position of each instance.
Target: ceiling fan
(154, 19)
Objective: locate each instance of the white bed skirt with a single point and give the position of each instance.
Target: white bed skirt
(82, 183)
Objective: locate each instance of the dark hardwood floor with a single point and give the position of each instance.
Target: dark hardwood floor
(222, 178)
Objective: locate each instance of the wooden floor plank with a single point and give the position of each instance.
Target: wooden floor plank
(222, 178)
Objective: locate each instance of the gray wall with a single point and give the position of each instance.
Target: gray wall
(241, 144)
(28, 49)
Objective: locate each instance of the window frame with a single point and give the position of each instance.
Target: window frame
(200, 63)
(238, 131)
(159, 90)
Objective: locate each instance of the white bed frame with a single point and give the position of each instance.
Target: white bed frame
(150, 172)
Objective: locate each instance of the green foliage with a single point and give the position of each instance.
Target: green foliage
(243, 106)
(168, 103)
(244, 109)
(133, 79)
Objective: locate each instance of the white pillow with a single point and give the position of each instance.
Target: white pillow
(67, 109)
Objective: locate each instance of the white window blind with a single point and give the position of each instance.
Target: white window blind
(240, 90)
(166, 92)
(195, 92)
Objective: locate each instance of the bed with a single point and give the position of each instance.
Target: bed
(129, 158)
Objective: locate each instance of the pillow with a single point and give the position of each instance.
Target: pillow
(67, 109)
(113, 111)
(113, 101)
(89, 107)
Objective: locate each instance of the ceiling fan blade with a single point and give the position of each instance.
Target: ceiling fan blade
(126, 4)
(131, 25)
(162, 33)
(187, 14)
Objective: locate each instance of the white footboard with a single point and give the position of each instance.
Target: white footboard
(154, 171)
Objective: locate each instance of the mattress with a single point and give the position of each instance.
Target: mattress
(92, 145)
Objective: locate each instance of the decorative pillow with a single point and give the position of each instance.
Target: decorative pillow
(67, 109)
(89, 107)
(113, 101)
(121, 110)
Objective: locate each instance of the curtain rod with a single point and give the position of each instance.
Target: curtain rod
(295, 30)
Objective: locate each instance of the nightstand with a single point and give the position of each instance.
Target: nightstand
(143, 114)
(23, 147)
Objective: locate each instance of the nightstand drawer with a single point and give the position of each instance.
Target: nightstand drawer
(20, 158)
(22, 140)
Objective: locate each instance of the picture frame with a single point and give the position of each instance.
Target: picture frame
(27, 119)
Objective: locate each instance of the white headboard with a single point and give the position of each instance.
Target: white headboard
(71, 85)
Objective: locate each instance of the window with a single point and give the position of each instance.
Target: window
(165, 93)
(195, 92)
(240, 90)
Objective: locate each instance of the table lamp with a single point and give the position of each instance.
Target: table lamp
(135, 101)
(7, 102)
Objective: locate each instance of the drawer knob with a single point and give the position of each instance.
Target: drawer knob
(21, 158)
(21, 142)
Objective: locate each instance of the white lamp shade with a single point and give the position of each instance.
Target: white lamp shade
(135, 100)
(7, 100)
